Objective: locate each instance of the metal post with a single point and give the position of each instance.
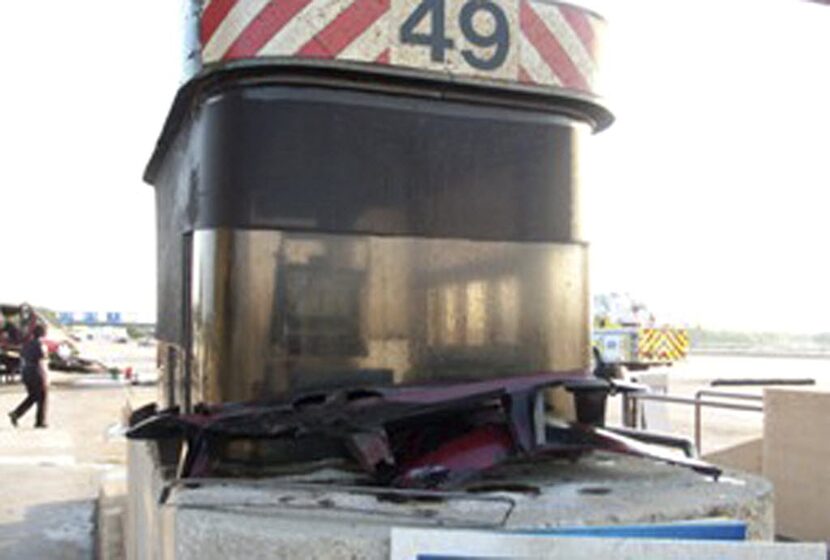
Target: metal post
(625, 404)
(699, 407)
(630, 415)
(698, 425)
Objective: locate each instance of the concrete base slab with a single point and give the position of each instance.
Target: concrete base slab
(266, 519)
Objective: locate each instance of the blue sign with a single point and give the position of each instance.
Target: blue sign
(710, 530)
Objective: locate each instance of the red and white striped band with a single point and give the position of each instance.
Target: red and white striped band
(536, 42)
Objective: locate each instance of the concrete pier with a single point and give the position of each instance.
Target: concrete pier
(276, 519)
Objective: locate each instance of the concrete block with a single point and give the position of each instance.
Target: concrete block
(796, 459)
(149, 526)
(745, 456)
(266, 519)
(110, 512)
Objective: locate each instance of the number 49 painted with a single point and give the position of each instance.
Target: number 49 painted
(439, 43)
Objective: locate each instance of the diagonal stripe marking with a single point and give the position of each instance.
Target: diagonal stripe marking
(568, 40)
(384, 57)
(534, 65)
(240, 16)
(548, 46)
(580, 22)
(305, 25)
(264, 27)
(371, 44)
(213, 15)
(344, 29)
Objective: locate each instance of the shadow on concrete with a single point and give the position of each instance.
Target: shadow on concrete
(54, 530)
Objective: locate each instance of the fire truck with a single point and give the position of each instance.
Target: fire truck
(626, 333)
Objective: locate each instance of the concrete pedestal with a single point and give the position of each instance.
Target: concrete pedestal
(268, 519)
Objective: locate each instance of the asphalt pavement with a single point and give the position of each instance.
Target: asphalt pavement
(50, 478)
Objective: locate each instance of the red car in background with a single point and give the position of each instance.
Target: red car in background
(16, 325)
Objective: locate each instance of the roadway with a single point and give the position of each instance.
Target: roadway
(49, 479)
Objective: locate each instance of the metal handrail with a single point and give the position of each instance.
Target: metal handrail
(728, 395)
(630, 416)
(761, 382)
(689, 400)
(724, 395)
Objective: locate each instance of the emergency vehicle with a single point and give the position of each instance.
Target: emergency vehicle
(627, 333)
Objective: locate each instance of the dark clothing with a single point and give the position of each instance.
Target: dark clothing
(30, 356)
(35, 381)
(36, 394)
(27, 329)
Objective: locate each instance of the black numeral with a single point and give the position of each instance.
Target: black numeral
(438, 43)
(435, 39)
(499, 38)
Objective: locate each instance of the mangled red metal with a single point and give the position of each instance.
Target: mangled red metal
(427, 436)
(458, 459)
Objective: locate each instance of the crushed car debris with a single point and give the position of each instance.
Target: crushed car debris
(435, 436)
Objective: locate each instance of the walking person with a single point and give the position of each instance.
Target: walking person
(34, 378)
(28, 322)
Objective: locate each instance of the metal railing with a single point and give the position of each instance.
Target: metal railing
(727, 405)
(761, 382)
(631, 413)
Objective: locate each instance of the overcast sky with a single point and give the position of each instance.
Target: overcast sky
(710, 195)
(86, 88)
(708, 198)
